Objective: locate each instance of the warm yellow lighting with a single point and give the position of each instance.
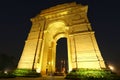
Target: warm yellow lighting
(49, 63)
(5, 71)
(47, 29)
(60, 13)
(38, 70)
(63, 13)
(111, 67)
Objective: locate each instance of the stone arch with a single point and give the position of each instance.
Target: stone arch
(57, 22)
(55, 28)
(54, 31)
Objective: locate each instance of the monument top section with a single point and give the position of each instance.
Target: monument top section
(62, 10)
(64, 6)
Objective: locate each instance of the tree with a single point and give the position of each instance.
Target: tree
(6, 62)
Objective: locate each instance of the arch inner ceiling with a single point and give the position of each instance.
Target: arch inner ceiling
(55, 31)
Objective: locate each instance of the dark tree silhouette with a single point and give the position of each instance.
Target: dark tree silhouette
(7, 62)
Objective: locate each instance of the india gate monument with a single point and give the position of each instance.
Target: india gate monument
(68, 21)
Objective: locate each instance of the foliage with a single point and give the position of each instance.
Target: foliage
(26, 73)
(92, 74)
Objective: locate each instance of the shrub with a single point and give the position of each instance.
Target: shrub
(26, 73)
(92, 74)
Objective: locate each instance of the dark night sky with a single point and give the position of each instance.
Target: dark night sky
(104, 16)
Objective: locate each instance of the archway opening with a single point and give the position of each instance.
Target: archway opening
(61, 56)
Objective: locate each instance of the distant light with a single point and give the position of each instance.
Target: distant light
(111, 67)
(5, 71)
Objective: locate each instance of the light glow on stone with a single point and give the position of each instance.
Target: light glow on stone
(38, 70)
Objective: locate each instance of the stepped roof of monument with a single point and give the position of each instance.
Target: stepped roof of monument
(60, 7)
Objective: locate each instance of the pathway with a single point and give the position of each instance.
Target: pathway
(40, 78)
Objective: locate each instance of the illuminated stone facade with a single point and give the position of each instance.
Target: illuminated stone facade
(69, 21)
